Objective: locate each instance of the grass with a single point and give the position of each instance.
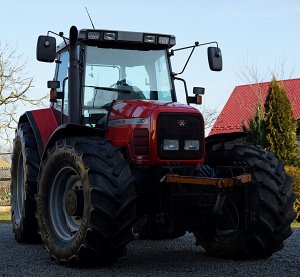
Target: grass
(295, 224)
(5, 217)
(4, 164)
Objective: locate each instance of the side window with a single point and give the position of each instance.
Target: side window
(62, 73)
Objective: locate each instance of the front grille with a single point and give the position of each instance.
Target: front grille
(182, 127)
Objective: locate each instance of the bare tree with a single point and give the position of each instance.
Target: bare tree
(210, 115)
(14, 87)
(250, 73)
(253, 75)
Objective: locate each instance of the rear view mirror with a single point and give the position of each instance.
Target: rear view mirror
(53, 84)
(214, 58)
(198, 90)
(46, 49)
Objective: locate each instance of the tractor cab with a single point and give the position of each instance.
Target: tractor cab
(108, 66)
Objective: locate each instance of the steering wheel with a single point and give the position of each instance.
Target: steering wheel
(106, 106)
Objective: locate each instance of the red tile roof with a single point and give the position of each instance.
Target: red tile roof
(243, 100)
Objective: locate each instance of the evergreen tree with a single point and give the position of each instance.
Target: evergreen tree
(280, 125)
(256, 127)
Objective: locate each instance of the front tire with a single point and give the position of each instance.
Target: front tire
(24, 172)
(256, 218)
(85, 202)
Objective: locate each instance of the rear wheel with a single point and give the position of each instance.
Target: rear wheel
(24, 171)
(85, 202)
(256, 218)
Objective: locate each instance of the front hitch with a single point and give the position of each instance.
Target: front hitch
(222, 185)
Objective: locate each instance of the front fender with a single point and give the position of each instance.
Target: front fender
(71, 130)
(43, 123)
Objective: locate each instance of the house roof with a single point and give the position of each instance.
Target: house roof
(243, 101)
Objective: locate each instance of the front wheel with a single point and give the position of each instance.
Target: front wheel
(256, 218)
(85, 202)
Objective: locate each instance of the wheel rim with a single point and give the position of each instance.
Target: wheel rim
(19, 204)
(65, 225)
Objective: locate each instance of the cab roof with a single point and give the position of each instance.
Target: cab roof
(123, 39)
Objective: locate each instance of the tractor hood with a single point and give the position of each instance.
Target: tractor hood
(142, 127)
(125, 109)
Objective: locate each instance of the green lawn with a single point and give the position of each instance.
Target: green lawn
(5, 217)
(295, 225)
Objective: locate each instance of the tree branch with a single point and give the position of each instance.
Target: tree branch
(15, 86)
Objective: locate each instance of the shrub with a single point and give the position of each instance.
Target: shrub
(256, 127)
(294, 172)
(280, 125)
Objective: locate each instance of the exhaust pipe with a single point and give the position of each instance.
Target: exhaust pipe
(73, 80)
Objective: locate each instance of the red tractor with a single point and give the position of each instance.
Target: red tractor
(115, 154)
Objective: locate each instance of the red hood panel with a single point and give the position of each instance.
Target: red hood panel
(126, 116)
(143, 109)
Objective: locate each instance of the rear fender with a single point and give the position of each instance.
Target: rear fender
(225, 137)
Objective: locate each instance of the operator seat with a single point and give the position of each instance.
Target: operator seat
(133, 92)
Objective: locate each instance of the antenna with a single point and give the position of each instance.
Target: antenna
(89, 17)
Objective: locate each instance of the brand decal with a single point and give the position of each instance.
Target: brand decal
(129, 121)
(181, 123)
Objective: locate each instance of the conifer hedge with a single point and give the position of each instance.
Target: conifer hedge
(274, 128)
(280, 125)
(294, 172)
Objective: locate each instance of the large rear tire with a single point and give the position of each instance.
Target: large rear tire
(24, 172)
(256, 218)
(85, 202)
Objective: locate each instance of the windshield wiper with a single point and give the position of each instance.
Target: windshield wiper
(111, 89)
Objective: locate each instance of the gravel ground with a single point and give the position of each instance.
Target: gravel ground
(179, 257)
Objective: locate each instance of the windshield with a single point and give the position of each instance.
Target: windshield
(112, 74)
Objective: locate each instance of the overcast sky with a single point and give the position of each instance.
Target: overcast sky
(258, 34)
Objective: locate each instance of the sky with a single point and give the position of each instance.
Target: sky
(261, 35)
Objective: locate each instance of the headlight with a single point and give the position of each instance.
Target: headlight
(171, 144)
(191, 145)
(163, 40)
(110, 36)
(150, 38)
(94, 35)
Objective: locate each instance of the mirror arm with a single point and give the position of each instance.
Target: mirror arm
(197, 44)
(186, 63)
(61, 34)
